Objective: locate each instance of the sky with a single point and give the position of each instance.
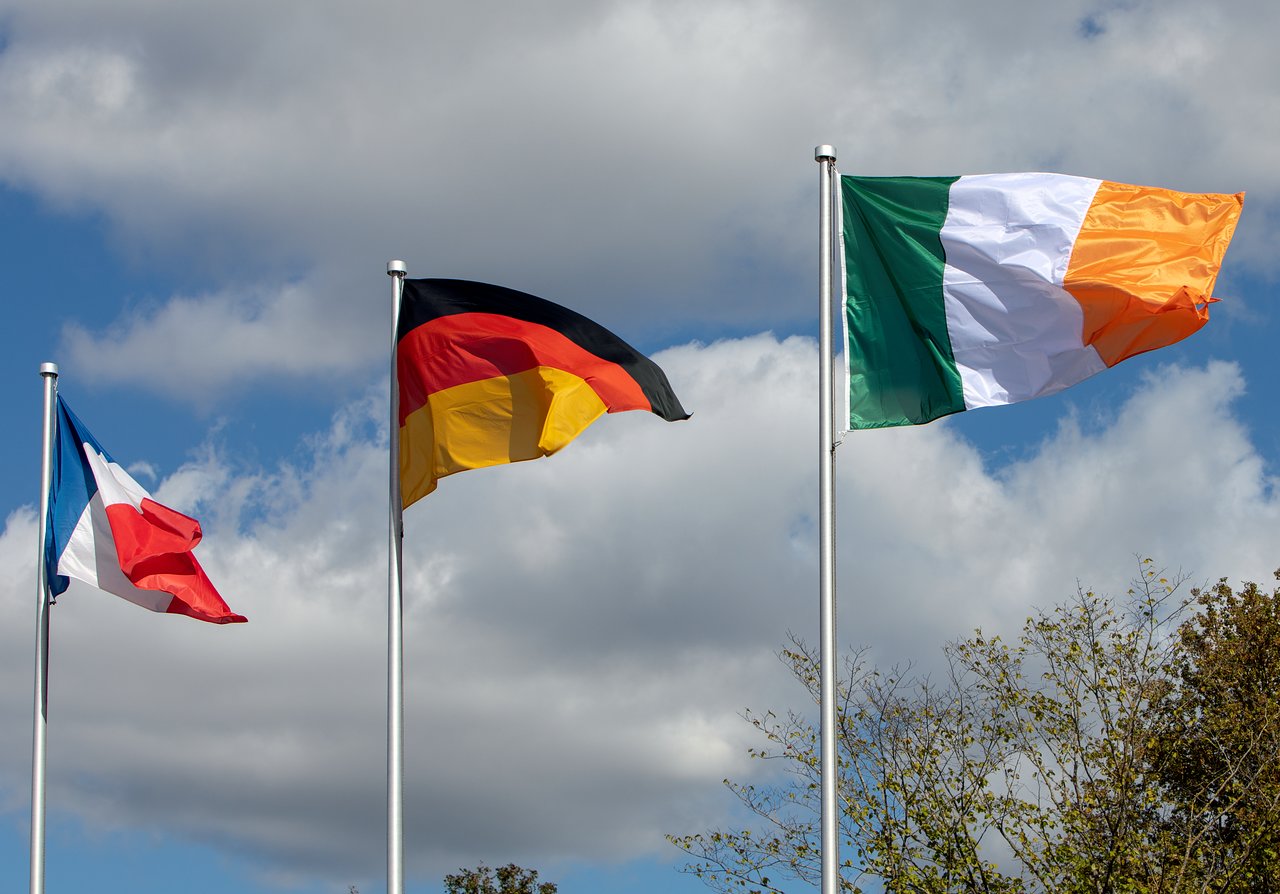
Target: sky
(197, 204)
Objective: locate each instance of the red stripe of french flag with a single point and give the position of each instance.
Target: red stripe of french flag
(152, 545)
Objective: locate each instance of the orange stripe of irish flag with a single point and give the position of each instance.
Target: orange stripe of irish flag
(1144, 264)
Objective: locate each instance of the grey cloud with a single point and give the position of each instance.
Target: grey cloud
(581, 631)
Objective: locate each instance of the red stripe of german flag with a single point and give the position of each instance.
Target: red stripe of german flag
(489, 375)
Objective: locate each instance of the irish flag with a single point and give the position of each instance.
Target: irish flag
(105, 530)
(488, 375)
(964, 292)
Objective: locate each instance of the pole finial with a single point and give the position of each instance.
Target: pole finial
(824, 152)
(394, 267)
(48, 369)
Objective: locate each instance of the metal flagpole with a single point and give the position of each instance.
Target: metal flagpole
(395, 611)
(40, 710)
(826, 157)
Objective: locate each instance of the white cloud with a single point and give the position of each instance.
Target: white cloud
(1173, 475)
(198, 347)
(647, 162)
(581, 631)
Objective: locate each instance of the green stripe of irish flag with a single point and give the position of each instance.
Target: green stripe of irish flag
(901, 369)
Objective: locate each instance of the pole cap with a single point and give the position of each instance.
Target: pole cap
(824, 151)
(394, 267)
(48, 369)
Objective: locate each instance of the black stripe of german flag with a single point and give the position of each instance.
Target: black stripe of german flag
(489, 375)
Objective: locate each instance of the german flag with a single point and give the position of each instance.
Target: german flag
(489, 375)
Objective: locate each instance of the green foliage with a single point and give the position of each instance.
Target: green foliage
(1217, 752)
(509, 879)
(1127, 746)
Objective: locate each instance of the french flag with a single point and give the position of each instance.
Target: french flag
(105, 530)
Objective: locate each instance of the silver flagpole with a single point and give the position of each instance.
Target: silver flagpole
(826, 157)
(40, 711)
(395, 611)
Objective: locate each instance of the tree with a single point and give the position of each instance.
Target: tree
(1218, 756)
(509, 879)
(1050, 764)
